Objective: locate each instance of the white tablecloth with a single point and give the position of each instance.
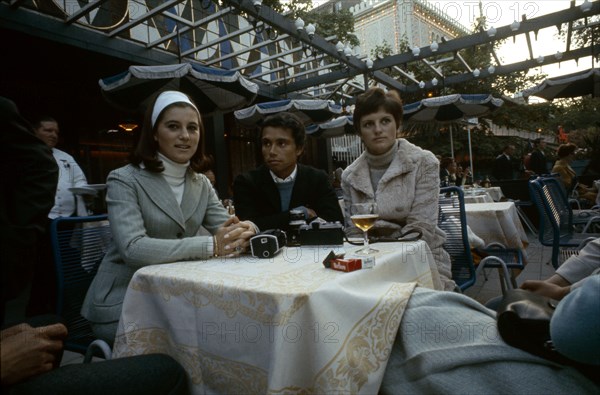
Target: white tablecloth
(479, 198)
(497, 222)
(282, 325)
(495, 193)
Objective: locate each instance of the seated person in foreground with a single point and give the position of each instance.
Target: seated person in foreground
(400, 177)
(156, 207)
(266, 195)
(570, 274)
(448, 343)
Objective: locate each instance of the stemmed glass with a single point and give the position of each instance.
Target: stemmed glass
(364, 215)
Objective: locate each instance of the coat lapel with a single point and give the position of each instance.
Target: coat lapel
(161, 195)
(360, 178)
(193, 187)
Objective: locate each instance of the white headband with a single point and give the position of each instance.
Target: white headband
(167, 98)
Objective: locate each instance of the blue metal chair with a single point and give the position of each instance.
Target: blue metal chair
(452, 220)
(556, 218)
(78, 244)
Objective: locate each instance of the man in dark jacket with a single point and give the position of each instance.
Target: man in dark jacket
(538, 163)
(267, 194)
(503, 169)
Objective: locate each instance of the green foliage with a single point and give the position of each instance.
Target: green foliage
(585, 32)
(339, 23)
(293, 6)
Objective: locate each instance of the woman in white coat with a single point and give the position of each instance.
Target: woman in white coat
(400, 177)
(156, 207)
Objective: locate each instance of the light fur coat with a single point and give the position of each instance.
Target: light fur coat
(406, 197)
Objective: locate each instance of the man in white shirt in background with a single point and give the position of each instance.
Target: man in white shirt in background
(42, 298)
(70, 174)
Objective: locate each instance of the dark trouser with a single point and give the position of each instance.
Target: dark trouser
(143, 375)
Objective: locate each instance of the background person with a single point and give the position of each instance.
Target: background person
(400, 177)
(156, 207)
(70, 174)
(266, 195)
(452, 172)
(447, 171)
(503, 168)
(537, 162)
(43, 288)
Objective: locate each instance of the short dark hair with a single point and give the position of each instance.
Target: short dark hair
(38, 123)
(565, 150)
(538, 140)
(286, 120)
(146, 148)
(374, 99)
(445, 162)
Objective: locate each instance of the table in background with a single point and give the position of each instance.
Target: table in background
(472, 194)
(478, 198)
(495, 193)
(497, 222)
(286, 324)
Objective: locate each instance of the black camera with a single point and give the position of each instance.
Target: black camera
(268, 243)
(321, 233)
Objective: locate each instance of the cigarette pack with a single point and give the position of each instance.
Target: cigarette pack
(346, 265)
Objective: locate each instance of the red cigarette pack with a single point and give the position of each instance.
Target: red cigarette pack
(346, 265)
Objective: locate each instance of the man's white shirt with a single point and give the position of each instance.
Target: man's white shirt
(69, 175)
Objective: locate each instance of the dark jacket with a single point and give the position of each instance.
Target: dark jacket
(538, 163)
(257, 199)
(502, 168)
(29, 177)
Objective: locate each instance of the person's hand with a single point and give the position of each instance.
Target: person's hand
(28, 352)
(234, 237)
(311, 213)
(546, 288)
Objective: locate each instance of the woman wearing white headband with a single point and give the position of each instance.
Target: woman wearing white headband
(156, 207)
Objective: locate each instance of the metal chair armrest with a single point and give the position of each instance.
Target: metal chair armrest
(102, 346)
(490, 259)
(589, 222)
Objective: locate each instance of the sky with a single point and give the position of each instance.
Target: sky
(504, 12)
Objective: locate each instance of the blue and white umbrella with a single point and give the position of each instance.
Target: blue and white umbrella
(452, 108)
(309, 111)
(211, 88)
(577, 84)
(336, 127)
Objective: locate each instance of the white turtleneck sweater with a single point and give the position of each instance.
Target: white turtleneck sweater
(378, 164)
(174, 174)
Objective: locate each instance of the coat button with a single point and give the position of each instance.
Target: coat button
(179, 235)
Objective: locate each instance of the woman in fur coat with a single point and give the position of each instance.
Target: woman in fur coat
(400, 177)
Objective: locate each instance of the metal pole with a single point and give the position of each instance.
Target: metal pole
(470, 152)
(451, 143)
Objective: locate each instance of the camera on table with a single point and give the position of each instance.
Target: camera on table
(321, 233)
(268, 243)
